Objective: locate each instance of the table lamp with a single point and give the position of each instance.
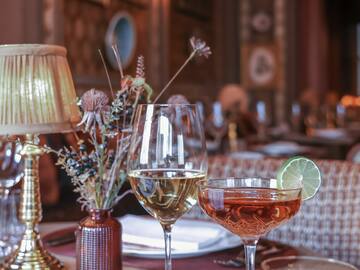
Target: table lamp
(37, 96)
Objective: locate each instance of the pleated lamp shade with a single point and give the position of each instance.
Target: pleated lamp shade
(37, 93)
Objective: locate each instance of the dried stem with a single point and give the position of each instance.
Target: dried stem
(134, 107)
(118, 59)
(175, 75)
(107, 73)
(76, 136)
(98, 174)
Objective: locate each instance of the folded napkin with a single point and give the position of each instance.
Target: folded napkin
(247, 155)
(187, 235)
(331, 133)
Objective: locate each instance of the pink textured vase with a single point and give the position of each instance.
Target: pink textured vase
(98, 242)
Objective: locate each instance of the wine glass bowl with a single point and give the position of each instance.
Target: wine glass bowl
(248, 207)
(166, 194)
(163, 165)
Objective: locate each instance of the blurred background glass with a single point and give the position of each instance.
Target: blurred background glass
(11, 171)
(11, 229)
(11, 166)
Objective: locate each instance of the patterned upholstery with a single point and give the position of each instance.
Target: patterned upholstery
(329, 224)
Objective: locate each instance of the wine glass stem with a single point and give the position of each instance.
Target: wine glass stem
(250, 250)
(5, 192)
(4, 208)
(167, 238)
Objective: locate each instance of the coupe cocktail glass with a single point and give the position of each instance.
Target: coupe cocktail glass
(248, 207)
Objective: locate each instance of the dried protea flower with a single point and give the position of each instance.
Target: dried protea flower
(94, 100)
(199, 47)
(95, 106)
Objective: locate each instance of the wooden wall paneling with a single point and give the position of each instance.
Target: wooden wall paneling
(158, 44)
(163, 30)
(312, 50)
(20, 21)
(85, 25)
(183, 26)
(291, 67)
(227, 36)
(198, 78)
(219, 45)
(80, 25)
(53, 22)
(33, 21)
(280, 39)
(342, 18)
(11, 22)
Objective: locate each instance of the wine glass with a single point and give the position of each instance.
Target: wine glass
(296, 117)
(218, 122)
(163, 166)
(248, 207)
(11, 227)
(11, 171)
(11, 165)
(261, 119)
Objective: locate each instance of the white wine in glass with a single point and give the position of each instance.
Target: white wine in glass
(166, 194)
(163, 164)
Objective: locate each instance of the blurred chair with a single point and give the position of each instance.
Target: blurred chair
(328, 224)
(235, 105)
(310, 104)
(233, 95)
(354, 154)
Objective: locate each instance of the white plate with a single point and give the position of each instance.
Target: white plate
(305, 262)
(227, 241)
(281, 148)
(247, 155)
(212, 145)
(330, 134)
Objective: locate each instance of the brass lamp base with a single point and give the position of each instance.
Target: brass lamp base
(31, 255)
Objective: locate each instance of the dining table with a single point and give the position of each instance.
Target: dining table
(335, 147)
(66, 253)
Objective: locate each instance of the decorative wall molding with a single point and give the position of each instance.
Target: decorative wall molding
(263, 50)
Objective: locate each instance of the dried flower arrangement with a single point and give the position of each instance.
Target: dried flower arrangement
(99, 171)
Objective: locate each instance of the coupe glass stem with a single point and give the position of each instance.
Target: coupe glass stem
(250, 250)
(167, 237)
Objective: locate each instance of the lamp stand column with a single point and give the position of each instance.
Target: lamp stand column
(31, 255)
